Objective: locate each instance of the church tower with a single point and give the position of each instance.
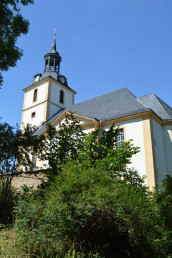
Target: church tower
(48, 93)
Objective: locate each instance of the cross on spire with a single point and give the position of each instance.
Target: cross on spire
(54, 41)
(54, 33)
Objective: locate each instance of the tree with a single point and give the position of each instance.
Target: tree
(102, 151)
(63, 145)
(71, 143)
(12, 25)
(16, 146)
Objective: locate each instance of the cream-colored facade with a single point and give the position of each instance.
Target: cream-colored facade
(147, 131)
(162, 143)
(154, 158)
(146, 121)
(143, 161)
(47, 102)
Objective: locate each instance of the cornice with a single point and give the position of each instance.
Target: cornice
(134, 116)
(68, 113)
(48, 79)
(95, 124)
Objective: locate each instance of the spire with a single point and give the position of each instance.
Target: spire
(52, 58)
(54, 41)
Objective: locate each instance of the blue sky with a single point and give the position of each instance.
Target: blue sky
(104, 44)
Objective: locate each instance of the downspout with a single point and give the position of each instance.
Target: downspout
(100, 125)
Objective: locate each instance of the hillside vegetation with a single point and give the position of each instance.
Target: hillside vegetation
(91, 205)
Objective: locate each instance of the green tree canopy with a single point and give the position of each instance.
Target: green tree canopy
(16, 147)
(71, 143)
(12, 25)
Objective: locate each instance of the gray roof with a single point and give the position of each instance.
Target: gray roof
(112, 105)
(116, 104)
(157, 105)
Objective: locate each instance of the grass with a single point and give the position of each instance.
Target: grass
(8, 247)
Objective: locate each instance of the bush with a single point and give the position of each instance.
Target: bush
(91, 205)
(92, 212)
(7, 200)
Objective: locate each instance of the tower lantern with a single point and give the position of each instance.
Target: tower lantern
(52, 58)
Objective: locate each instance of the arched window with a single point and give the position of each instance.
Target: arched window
(62, 97)
(35, 95)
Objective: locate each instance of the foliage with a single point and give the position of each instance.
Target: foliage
(62, 145)
(10, 248)
(7, 200)
(12, 25)
(71, 143)
(15, 148)
(90, 212)
(99, 151)
(163, 199)
(7, 244)
(94, 206)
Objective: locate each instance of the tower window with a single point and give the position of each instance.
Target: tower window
(62, 97)
(33, 114)
(35, 95)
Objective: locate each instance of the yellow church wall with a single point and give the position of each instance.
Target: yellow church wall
(151, 177)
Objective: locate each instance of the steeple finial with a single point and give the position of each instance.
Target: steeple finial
(54, 42)
(54, 33)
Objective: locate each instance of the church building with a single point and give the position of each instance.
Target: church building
(146, 120)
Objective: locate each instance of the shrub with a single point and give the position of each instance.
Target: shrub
(7, 199)
(92, 212)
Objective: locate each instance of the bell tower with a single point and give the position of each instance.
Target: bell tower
(49, 92)
(52, 59)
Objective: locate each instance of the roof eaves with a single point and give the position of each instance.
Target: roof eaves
(42, 128)
(126, 115)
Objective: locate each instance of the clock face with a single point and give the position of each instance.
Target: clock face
(62, 80)
(37, 78)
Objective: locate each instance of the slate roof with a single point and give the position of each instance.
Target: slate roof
(112, 105)
(116, 104)
(158, 106)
